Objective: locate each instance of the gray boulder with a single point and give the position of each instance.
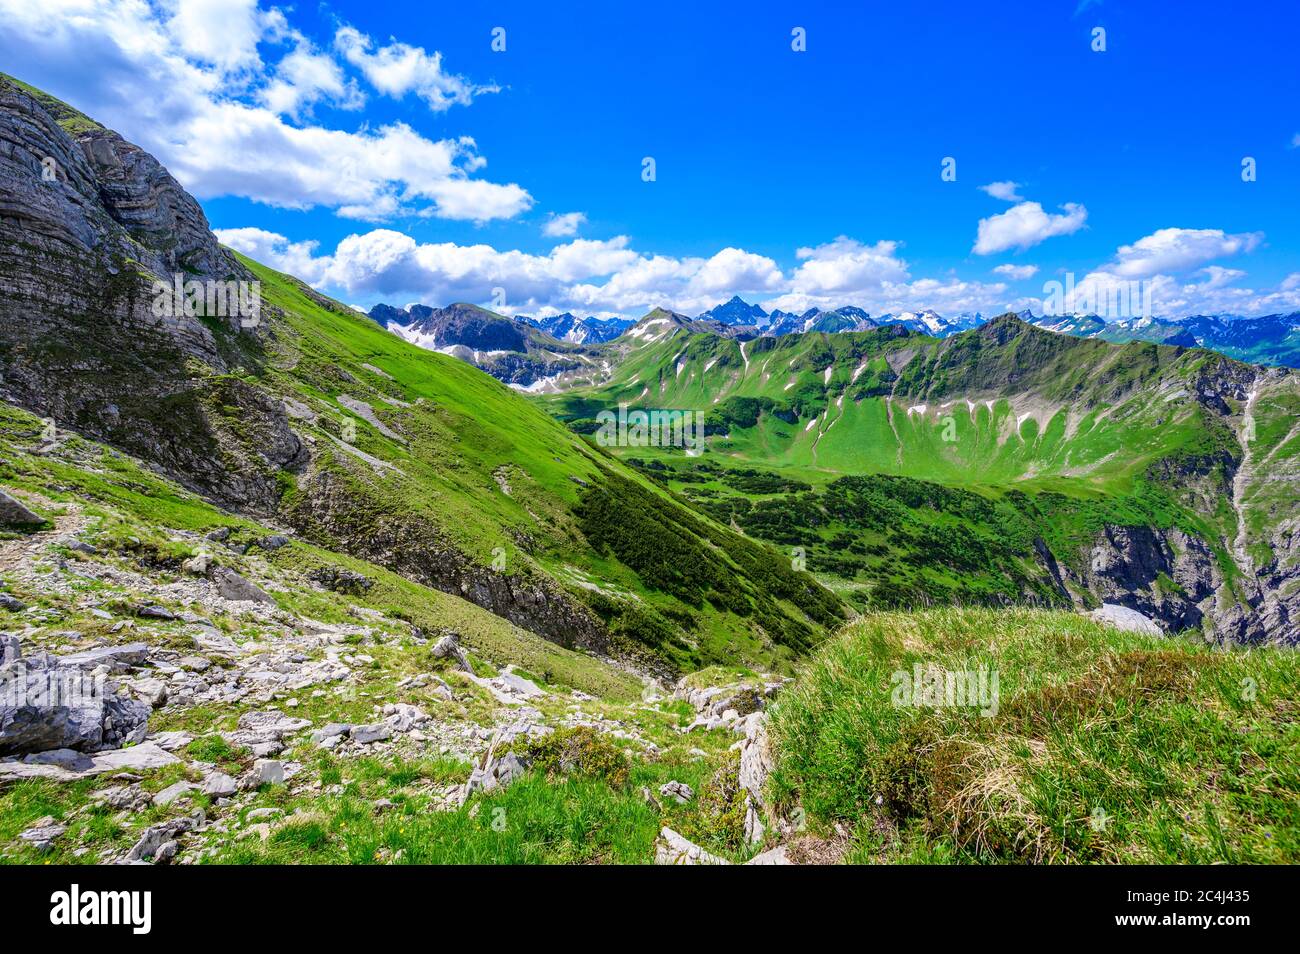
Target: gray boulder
(679, 792)
(116, 658)
(230, 585)
(43, 834)
(1125, 619)
(673, 849)
(14, 513)
(64, 765)
(496, 773)
(268, 771)
(172, 792)
(449, 648)
(333, 732)
(369, 734)
(46, 705)
(218, 784)
(151, 842)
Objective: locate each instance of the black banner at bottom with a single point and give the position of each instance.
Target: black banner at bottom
(148, 904)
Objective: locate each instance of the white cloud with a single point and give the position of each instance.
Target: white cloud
(847, 265)
(1006, 191)
(735, 268)
(560, 226)
(1016, 272)
(583, 258)
(1024, 225)
(399, 68)
(1171, 269)
(211, 114)
(220, 33)
(849, 272)
(602, 277)
(294, 258)
(1175, 250)
(610, 277)
(306, 76)
(1295, 141)
(1216, 276)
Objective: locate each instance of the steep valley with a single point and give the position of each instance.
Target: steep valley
(999, 465)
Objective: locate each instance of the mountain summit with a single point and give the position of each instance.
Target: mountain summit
(736, 311)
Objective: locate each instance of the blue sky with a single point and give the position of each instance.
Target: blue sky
(386, 152)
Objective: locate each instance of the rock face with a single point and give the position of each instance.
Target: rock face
(1126, 564)
(1173, 580)
(46, 706)
(414, 548)
(92, 228)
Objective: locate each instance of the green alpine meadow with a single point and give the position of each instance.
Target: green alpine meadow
(335, 529)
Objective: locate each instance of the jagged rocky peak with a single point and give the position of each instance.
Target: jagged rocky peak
(68, 177)
(736, 311)
(96, 241)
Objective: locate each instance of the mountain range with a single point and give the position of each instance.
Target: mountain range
(552, 354)
(1270, 339)
(366, 584)
(567, 327)
(1002, 464)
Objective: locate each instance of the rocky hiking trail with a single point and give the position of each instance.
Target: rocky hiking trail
(234, 729)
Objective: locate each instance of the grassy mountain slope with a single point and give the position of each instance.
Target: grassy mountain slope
(1101, 747)
(113, 566)
(837, 445)
(121, 507)
(499, 479)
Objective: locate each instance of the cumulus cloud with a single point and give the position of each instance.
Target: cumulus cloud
(1176, 250)
(1171, 270)
(1016, 272)
(399, 68)
(560, 226)
(219, 33)
(610, 277)
(849, 272)
(1026, 224)
(847, 265)
(214, 112)
(270, 248)
(1006, 191)
(605, 277)
(305, 77)
(735, 268)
